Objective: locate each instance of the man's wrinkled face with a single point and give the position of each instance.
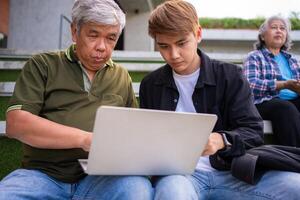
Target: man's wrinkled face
(95, 43)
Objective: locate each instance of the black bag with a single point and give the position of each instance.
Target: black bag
(251, 166)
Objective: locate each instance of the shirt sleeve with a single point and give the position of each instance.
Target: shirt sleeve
(30, 87)
(255, 71)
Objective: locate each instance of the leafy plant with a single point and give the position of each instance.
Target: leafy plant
(237, 23)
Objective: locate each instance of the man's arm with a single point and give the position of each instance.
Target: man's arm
(42, 133)
(244, 124)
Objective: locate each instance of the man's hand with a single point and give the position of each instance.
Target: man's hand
(215, 142)
(86, 141)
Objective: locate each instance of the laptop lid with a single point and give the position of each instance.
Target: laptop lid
(130, 141)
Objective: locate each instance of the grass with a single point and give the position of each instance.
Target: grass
(10, 155)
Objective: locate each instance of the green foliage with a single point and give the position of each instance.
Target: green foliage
(295, 23)
(237, 23)
(11, 155)
(137, 76)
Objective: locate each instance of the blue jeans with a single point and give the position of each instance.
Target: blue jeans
(25, 184)
(32, 184)
(275, 185)
(175, 187)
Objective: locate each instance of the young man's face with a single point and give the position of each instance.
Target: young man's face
(95, 43)
(180, 51)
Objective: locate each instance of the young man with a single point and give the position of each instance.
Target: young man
(53, 108)
(192, 82)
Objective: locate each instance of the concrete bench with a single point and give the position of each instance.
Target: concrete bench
(2, 127)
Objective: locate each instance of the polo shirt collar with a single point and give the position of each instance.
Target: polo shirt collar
(72, 57)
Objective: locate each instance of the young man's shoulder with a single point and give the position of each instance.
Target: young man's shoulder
(221, 67)
(158, 74)
(217, 66)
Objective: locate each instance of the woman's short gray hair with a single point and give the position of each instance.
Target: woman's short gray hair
(260, 43)
(99, 11)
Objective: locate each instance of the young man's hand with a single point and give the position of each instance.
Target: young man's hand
(215, 142)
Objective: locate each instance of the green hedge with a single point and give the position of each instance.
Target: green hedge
(237, 23)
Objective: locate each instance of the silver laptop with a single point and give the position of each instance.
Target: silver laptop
(130, 141)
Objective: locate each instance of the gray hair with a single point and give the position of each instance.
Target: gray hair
(99, 11)
(259, 44)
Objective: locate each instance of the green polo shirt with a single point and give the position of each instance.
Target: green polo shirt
(55, 86)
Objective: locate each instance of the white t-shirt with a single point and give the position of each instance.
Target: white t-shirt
(186, 85)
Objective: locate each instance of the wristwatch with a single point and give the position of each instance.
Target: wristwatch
(225, 140)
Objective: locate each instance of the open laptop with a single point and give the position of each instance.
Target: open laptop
(130, 141)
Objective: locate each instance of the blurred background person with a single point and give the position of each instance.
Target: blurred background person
(274, 76)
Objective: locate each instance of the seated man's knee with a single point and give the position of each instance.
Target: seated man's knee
(175, 187)
(136, 187)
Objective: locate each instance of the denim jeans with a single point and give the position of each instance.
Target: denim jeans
(175, 187)
(25, 184)
(32, 184)
(275, 185)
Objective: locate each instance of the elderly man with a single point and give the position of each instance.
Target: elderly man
(53, 108)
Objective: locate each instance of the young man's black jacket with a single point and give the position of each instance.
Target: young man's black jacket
(221, 89)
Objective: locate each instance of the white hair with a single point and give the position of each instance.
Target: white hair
(260, 43)
(99, 11)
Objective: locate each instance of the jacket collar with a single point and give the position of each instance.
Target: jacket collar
(206, 73)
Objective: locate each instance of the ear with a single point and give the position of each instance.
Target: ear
(199, 34)
(74, 32)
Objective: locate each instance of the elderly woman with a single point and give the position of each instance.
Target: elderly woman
(274, 76)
